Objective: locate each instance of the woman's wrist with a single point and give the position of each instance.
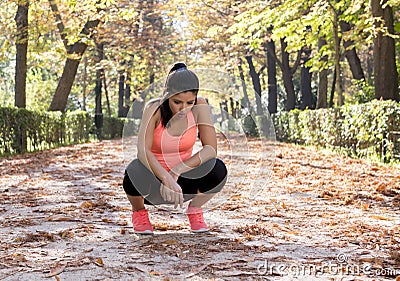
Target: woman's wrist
(164, 177)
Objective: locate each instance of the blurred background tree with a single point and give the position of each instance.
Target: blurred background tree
(293, 54)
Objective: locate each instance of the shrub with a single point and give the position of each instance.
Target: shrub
(360, 130)
(25, 131)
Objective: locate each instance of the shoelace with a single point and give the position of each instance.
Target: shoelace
(143, 219)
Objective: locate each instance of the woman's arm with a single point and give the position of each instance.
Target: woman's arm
(208, 139)
(151, 116)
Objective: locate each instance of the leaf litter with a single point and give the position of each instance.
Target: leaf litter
(64, 215)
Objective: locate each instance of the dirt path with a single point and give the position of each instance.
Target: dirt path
(64, 216)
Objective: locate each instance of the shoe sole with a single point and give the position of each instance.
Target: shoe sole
(201, 230)
(146, 232)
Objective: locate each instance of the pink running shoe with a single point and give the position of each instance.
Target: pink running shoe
(196, 219)
(141, 222)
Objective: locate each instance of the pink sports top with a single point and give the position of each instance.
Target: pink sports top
(171, 150)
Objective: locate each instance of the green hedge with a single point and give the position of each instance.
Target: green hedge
(112, 127)
(24, 130)
(362, 130)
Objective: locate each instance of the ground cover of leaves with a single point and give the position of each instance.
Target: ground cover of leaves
(316, 216)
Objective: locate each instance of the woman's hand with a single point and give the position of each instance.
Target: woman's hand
(171, 191)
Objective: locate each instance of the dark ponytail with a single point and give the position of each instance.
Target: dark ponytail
(177, 66)
(179, 79)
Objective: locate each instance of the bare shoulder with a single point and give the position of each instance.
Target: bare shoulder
(151, 110)
(200, 105)
(201, 100)
(152, 104)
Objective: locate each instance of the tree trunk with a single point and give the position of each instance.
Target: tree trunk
(322, 98)
(60, 98)
(106, 94)
(238, 110)
(232, 105)
(272, 85)
(224, 110)
(84, 85)
(75, 52)
(370, 65)
(287, 77)
(307, 100)
(332, 95)
(121, 91)
(97, 90)
(256, 84)
(351, 54)
(21, 19)
(246, 102)
(337, 40)
(127, 92)
(152, 76)
(385, 72)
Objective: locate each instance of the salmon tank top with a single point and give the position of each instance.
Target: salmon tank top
(172, 150)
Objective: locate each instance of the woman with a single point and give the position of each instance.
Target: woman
(166, 172)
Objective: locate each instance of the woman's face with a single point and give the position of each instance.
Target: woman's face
(182, 103)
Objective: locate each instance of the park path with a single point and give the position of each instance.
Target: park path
(318, 216)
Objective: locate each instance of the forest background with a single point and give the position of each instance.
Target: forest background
(100, 55)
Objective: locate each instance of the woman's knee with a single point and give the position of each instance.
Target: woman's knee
(138, 179)
(216, 179)
(128, 186)
(220, 167)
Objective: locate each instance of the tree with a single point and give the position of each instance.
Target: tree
(272, 84)
(255, 77)
(21, 19)
(337, 43)
(322, 96)
(351, 53)
(385, 72)
(257, 27)
(307, 98)
(246, 102)
(97, 89)
(75, 52)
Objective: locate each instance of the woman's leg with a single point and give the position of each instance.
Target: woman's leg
(137, 202)
(140, 182)
(204, 181)
(199, 184)
(134, 196)
(135, 189)
(200, 199)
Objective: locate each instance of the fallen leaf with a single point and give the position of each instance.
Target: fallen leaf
(170, 242)
(379, 217)
(99, 262)
(87, 205)
(380, 187)
(88, 250)
(61, 218)
(55, 271)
